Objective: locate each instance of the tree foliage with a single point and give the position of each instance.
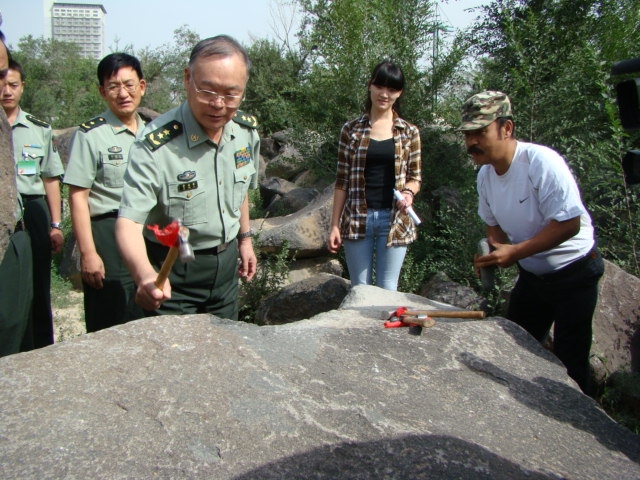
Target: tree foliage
(60, 85)
(345, 39)
(553, 58)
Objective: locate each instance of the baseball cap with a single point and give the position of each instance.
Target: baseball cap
(484, 108)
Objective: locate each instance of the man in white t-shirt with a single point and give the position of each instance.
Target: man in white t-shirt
(531, 204)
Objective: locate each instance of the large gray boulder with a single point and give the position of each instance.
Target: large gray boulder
(304, 299)
(336, 396)
(305, 230)
(616, 323)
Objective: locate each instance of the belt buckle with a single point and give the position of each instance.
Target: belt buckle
(221, 248)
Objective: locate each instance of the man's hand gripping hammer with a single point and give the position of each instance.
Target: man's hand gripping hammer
(176, 237)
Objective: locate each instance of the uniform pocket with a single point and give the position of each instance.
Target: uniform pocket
(188, 202)
(112, 170)
(30, 161)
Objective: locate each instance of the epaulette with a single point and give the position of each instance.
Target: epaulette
(38, 122)
(93, 123)
(163, 135)
(245, 119)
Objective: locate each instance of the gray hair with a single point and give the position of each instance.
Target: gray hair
(223, 45)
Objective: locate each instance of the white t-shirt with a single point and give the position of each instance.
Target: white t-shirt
(537, 188)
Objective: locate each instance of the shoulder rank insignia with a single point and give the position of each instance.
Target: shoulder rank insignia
(38, 122)
(93, 123)
(245, 119)
(163, 135)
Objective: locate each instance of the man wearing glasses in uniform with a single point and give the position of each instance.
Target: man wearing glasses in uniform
(97, 162)
(195, 164)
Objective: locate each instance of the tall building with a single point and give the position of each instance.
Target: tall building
(80, 23)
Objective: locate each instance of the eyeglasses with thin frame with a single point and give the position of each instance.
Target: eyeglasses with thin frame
(114, 88)
(208, 97)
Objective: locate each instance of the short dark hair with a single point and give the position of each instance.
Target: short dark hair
(113, 62)
(14, 65)
(219, 45)
(386, 74)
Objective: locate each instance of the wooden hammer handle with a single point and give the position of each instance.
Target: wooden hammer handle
(478, 314)
(167, 265)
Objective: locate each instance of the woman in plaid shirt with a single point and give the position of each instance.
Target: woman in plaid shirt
(378, 151)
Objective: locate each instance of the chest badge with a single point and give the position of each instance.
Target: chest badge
(114, 149)
(187, 176)
(243, 156)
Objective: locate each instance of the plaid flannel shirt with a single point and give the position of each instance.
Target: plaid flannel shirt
(352, 154)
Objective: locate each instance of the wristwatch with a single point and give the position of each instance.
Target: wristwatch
(248, 233)
(55, 225)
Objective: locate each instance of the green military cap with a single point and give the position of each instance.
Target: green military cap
(484, 108)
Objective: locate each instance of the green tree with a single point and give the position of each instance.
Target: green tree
(163, 69)
(274, 86)
(60, 85)
(553, 58)
(344, 39)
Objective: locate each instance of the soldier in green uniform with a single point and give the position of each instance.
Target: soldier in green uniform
(16, 267)
(38, 171)
(195, 164)
(97, 162)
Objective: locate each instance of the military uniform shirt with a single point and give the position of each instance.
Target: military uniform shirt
(35, 155)
(98, 160)
(177, 172)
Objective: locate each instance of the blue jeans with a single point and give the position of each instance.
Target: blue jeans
(360, 254)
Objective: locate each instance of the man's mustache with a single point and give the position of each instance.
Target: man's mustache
(474, 149)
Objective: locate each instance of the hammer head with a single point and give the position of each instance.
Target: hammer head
(389, 314)
(185, 251)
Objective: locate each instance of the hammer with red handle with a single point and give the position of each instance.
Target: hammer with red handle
(176, 237)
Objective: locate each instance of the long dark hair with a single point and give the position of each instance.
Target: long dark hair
(386, 74)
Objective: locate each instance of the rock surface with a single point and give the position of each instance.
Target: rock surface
(336, 396)
(616, 323)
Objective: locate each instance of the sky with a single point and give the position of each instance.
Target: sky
(151, 23)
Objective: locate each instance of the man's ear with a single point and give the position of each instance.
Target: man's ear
(507, 128)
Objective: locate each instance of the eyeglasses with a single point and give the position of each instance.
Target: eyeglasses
(114, 88)
(208, 97)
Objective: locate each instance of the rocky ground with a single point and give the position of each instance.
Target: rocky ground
(68, 316)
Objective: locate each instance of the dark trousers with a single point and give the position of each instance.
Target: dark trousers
(566, 299)
(37, 221)
(114, 303)
(16, 296)
(208, 284)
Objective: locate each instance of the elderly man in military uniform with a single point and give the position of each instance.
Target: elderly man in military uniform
(38, 171)
(195, 164)
(95, 172)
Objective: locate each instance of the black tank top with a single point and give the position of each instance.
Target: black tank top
(379, 174)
